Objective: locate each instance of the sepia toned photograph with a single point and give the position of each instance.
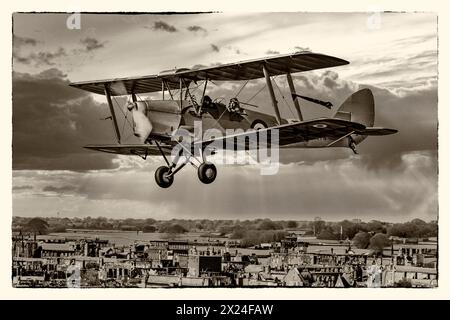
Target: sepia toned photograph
(232, 150)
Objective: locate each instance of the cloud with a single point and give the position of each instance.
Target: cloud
(196, 29)
(272, 52)
(62, 189)
(26, 187)
(214, 47)
(92, 44)
(163, 26)
(391, 71)
(298, 48)
(52, 121)
(24, 41)
(408, 41)
(412, 112)
(333, 189)
(393, 178)
(198, 66)
(236, 50)
(42, 58)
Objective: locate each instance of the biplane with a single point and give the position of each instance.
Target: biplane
(156, 120)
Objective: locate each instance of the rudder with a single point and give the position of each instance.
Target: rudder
(359, 107)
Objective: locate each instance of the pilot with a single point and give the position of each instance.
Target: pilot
(234, 106)
(207, 103)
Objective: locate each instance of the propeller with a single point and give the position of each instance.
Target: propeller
(142, 126)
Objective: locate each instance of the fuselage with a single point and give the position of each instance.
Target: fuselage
(165, 117)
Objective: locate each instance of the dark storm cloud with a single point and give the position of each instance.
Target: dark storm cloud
(52, 121)
(92, 44)
(196, 29)
(163, 26)
(42, 58)
(414, 115)
(272, 52)
(214, 48)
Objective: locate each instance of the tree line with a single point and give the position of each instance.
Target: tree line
(263, 230)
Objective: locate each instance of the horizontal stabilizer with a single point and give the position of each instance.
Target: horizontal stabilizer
(377, 131)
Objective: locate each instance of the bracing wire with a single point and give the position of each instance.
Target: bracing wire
(123, 113)
(124, 121)
(242, 88)
(220, 117)
(259, 91)
(284, 99)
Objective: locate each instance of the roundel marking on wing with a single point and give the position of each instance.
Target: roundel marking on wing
(320, 125)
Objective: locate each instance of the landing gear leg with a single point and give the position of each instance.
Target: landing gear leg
(352, 145)
(164, 175)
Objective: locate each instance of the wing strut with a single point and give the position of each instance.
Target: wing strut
(272, 94)
(292, 89)
(339, 139)
(113, 114)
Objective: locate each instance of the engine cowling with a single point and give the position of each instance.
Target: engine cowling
(142, 124)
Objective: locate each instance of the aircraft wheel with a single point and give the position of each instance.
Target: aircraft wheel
(207, 172)
(258, 124)
(162, 177)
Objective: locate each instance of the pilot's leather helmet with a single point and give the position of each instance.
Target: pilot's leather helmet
(207, 100)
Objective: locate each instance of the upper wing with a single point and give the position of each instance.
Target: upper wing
(125, 86)
(276, 65)
(244, 70)
(142, 150)
(290, 133)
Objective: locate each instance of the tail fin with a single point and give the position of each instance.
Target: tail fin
(359, 107)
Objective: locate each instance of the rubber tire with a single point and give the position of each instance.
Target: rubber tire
(260, 122)
(202, 170)
(163, 182)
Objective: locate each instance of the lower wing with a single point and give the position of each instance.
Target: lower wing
(142, 150)
(331, 128)
(322, 128)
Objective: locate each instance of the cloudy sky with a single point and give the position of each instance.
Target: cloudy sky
(394, 178)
